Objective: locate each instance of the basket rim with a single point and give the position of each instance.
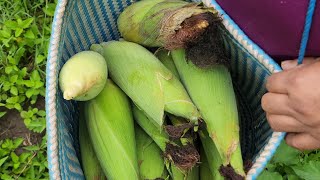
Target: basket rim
(51, 88)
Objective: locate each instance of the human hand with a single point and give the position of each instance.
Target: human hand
(292, 103)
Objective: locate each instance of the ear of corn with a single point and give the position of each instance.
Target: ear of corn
(187, 135)
(177, 122)
(172, 159)
(210, 158)
(89, 161)
(155, 23)
(158, 136)
(151, 161)
(76, 85)
(147, 81)
(129, 20)
(205, 172)
(165, 57)
(111, 127)
(152, 29)
(193, 174)
(218, 106)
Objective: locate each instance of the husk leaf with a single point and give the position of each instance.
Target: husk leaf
(147, 81)
(218, 106)
(111, 127)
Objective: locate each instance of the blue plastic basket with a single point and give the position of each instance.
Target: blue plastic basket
(80, 23)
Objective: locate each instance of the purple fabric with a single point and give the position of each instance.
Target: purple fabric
(276, 25)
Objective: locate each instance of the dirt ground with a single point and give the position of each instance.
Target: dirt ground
(12, 126)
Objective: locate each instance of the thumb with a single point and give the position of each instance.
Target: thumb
(289, 64)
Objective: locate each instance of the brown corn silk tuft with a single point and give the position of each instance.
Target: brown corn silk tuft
(208, 50)
(191, 29)
(184, 157)
(177, 131)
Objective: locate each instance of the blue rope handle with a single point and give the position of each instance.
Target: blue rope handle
(306, 31)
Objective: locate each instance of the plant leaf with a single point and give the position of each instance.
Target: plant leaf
(14, 78)
(26, 23)
(40, 59)
(14, 157)
(29, 34)
(12, 100)
(293, 177)
(309, 171)
(11, 24)
(17, 142)
(5, 33)
(266, 175)
(8, 69)
(19, 54)
(6, 177)
(14, 90)
(3, 160)
(32, 148)
(18, 32)
(2, 114)
(29, 93)
(41, 113)
(286, 155)
(18, 107)
(23, 157)
(49, 9)
(28, 83)
(35, 76)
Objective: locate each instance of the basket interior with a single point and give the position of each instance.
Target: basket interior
(87, 22)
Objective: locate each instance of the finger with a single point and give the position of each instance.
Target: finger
(289, 64)
(283, 123)
(276, 83)
(274, 103)
(302, 141)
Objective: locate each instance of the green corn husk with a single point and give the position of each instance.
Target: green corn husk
(193, 174)
(151, 162)
(186, 136)
(163, 140)
(213, 160)
(159, 137)
(210, 158)
(155, 23)
(164, 56)
(134, 15)
(205, 172)
(89, 161)
(218, 106)
(147, 81)
(111, 127)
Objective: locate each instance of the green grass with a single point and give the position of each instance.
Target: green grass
(289, 163)
(25, 28)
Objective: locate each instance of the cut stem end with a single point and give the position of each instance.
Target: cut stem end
(229, 173)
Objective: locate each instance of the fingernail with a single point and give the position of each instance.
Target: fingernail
(288, 64)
